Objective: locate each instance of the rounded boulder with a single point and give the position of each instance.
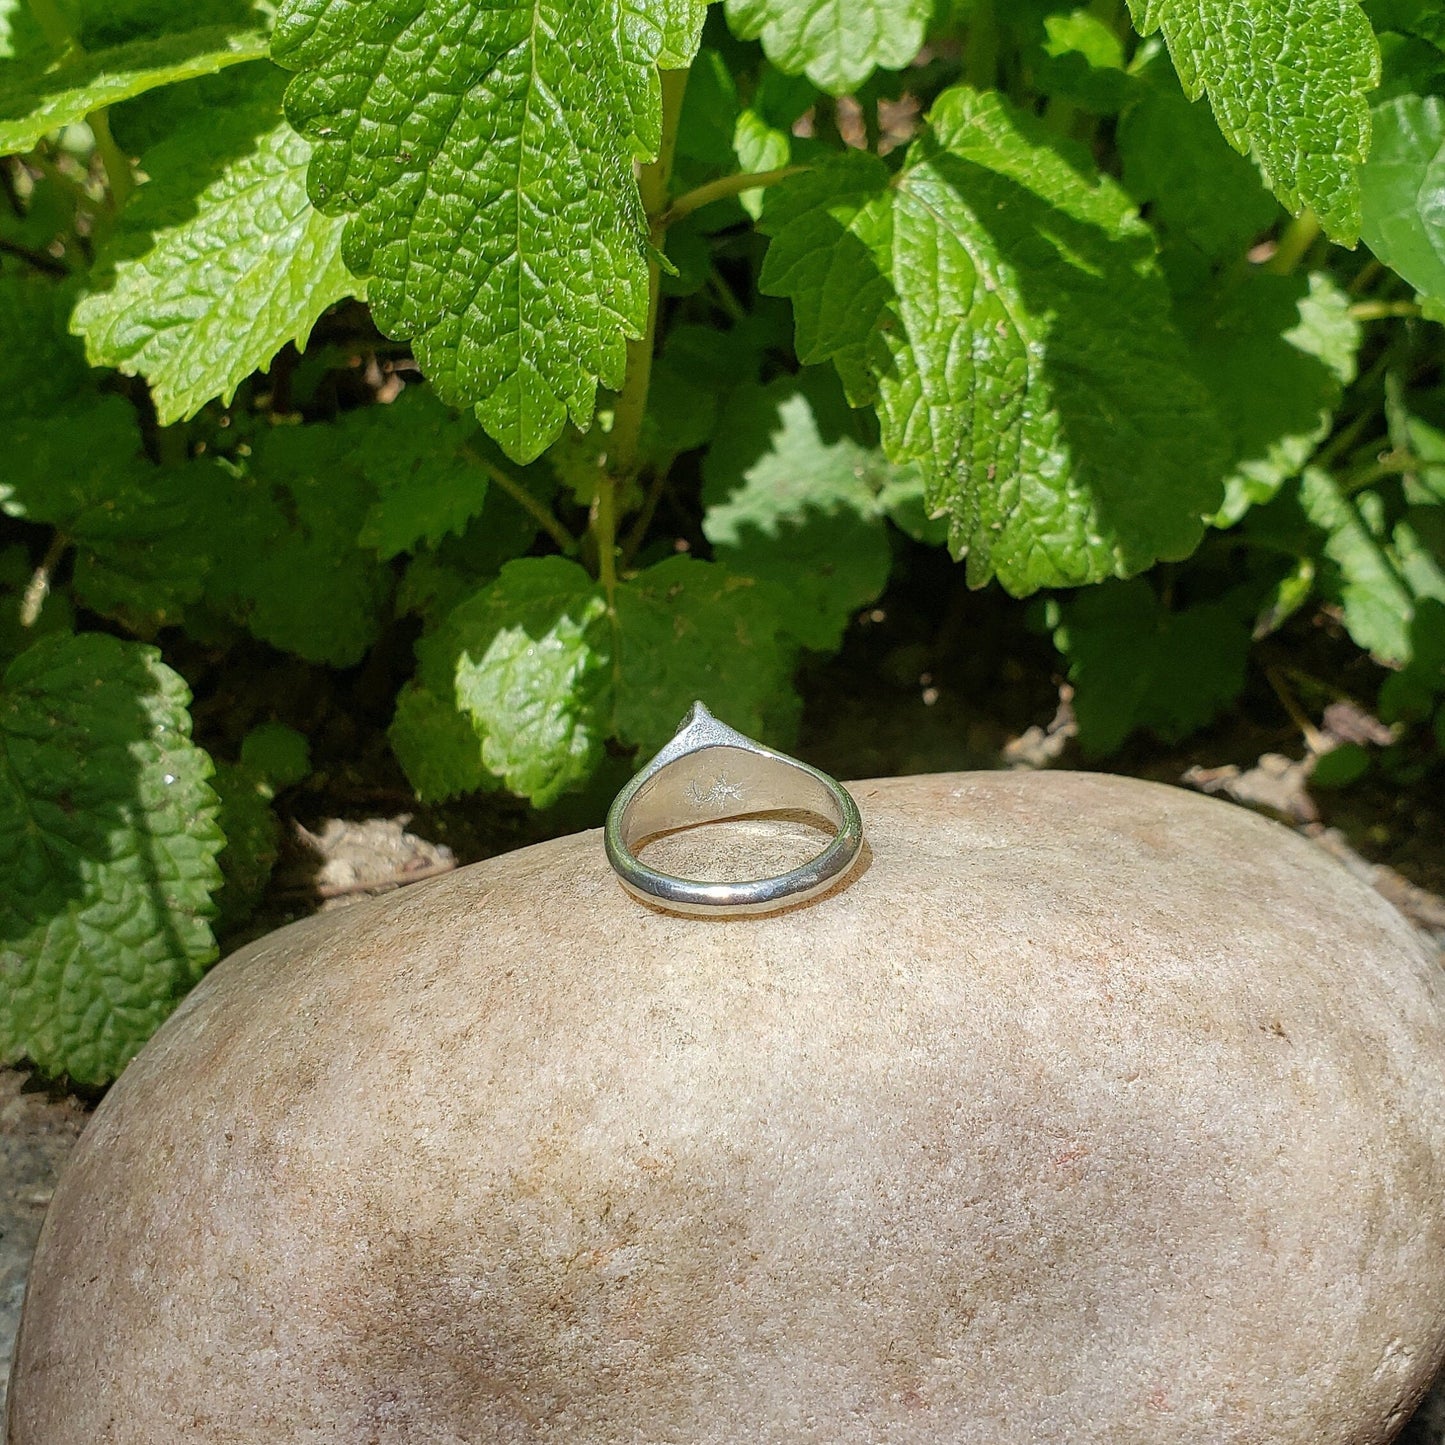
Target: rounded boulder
(1089, 1110)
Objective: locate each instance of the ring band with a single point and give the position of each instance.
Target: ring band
(709, 772)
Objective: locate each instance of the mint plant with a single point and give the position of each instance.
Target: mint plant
(548, 366)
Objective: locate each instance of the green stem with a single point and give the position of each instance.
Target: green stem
(604, 529)
(625, 442)
(652, 182)
(981, 62)
(118, 173)
(538, 511)
(1299, 236)
(1383, 310)
(1343, 442)
(38, 588)
(74, 191)
(61, 38)
(719, 190)
(1392, 464)
(638, 532)
(52, 23)
(38, 259)
(1366, 276)
(725, 297)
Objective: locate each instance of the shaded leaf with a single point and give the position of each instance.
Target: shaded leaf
(108, 844)
(37, 96)
(1002, 306)
(1176, 162)
(1385, 570)
(790, 488)
(1298, 332)
(1404, 192)
(1136, 663)
(285, 562)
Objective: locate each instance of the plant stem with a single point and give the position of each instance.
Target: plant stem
(1366, 276)
(632, 400)
(1383, 310)
(37, 259)
(638, 532)
(725, 297)
(1299, 236)
(1315, 741)
(538, 511)
(48, 17)
(38, 588)
(981, 61)
(604, 529)
(119, 175)
(1392, 464)
(61, 38)
(1342, 442)
(719, 190)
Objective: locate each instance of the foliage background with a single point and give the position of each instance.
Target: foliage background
(435, 422)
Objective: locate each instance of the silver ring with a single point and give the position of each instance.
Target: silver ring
(709, 772)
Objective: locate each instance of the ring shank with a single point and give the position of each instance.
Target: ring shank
(721, 778)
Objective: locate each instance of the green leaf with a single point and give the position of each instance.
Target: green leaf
(1176, 162)
(1002, 305)
(539, 677)
(791, 491)
(38, 97)
(1427, 484)
(201, 285)
(108, 844)
(1385, 571)
(1298, 332)
(437, 746)
(836, 43)
(14, 39)
(691, 630)
(679, 24)
(1404, 192)
(1288, 80)
(253, 841)
(276, 754)
(428, 485)
(485, 153)
(758, 147)
(1135, 663)
(101, 23)
(1082, 63)
(74, 460)
(286, 562)
(529, 660)
(1340, 766)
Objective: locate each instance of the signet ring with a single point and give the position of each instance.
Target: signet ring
(709, 772)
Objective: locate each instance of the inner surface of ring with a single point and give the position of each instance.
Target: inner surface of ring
(738, 851)
(723, 782)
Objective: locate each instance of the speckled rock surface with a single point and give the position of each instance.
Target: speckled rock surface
(37, 1133)
(1090, 1111)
